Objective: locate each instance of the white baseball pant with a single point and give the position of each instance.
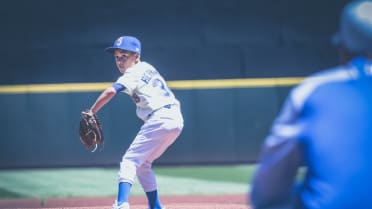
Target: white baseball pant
(157, 133)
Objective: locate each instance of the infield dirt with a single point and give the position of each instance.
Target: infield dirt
(137, 202)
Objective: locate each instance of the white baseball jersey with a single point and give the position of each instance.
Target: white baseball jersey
(147, 88)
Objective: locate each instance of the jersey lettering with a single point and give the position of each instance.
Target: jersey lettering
(147, 75)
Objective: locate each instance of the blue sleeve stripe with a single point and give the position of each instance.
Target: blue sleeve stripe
(118, 87)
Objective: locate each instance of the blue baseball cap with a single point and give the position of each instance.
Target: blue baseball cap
(128, 43)
(355, 32)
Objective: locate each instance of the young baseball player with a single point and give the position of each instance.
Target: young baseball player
(156, 106)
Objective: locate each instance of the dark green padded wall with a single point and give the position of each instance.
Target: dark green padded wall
(221, 126)
(53, 41)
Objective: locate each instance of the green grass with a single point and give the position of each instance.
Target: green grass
(236, 174)
(46, 183)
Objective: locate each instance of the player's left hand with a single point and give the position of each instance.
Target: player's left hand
(90, 130)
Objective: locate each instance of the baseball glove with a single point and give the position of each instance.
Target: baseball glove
(90, 130)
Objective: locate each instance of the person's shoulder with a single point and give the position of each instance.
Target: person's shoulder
(332, 75)
(142, 67)
(145, 65)
(335, 74)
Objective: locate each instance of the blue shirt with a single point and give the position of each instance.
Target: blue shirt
(326, 126)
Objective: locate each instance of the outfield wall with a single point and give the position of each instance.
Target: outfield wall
(224, 125)
(54, 41)
(62, 42)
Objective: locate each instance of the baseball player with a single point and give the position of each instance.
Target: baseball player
(156, 106)
(325, 126)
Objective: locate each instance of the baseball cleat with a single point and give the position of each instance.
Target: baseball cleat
(124, 205)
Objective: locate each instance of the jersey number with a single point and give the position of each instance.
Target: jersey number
(159, 83)
(135, 98)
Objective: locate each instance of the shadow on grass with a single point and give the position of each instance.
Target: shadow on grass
(8, 194)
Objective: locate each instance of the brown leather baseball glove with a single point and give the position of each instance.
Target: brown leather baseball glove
(90, 130)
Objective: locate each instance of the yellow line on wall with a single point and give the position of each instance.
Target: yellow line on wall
(53, 88)
(234, 83)
(179, 85)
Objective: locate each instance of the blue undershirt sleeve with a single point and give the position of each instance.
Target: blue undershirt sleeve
(118, 87)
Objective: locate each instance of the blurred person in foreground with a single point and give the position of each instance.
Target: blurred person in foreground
(325, 126)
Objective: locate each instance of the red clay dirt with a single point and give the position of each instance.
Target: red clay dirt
(136, 202)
